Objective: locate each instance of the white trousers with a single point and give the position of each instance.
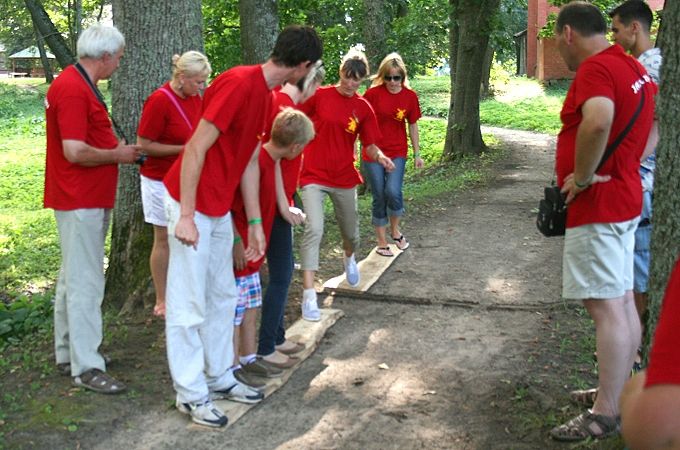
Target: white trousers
(200, 305)
(80, 288)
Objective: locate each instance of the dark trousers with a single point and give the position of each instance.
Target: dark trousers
(280, 262)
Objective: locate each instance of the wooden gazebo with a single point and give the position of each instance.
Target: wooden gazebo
(32, 56)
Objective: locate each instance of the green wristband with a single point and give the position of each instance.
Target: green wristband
(255, 221)
(237, 239)
(584, 185)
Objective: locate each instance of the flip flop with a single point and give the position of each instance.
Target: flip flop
(384, 251)
(401, 242)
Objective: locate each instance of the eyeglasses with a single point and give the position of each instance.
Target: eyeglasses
(394, 78)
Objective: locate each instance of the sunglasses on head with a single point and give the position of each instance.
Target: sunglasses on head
(394, 78)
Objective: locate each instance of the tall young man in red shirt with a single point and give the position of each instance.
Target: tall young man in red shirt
(604, 204)
(222, 152)
(80, 185)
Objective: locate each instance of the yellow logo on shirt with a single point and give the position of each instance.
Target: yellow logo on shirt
(352, 125)
(400, 115)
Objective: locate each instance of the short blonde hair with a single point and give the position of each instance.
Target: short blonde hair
(291, 127)
(391, 61)
(190, 64)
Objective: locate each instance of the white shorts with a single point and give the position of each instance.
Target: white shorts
(153, 194)
(598, 260)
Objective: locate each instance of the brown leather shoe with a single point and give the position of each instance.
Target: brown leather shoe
(297, 348)
(261, 368)
(290, 362)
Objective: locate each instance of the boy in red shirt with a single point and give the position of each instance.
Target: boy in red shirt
(291, 131)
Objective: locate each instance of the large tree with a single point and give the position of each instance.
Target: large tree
(259, 27)
(666, 232)
(154, 30)
(52, 37)
(470, 28)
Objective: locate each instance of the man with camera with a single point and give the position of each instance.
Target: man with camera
(80, 185)
(610, 104)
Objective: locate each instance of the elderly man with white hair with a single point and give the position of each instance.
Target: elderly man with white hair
(81, 176)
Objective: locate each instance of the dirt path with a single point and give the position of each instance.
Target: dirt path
(463, 343)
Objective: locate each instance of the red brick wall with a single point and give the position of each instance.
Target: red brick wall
(550, 63)
(543, 59)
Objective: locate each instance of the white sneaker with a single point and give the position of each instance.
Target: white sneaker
(310, 309)
(239, 392)
(203, 413)
(352, 271)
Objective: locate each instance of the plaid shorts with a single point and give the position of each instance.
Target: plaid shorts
(249, 295)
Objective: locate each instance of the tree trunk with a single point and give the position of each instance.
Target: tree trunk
(374, 32)
(154, 31)
(470, 28)
(485, 88)
(259, 28)
(53, 38)
(666, 231)
(47, 67)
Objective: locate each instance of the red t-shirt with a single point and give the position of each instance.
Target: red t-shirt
(238, 103)
(620, 77)
(73, 112)
(664, 358)
(163, 123)
(290, 168)
(267, 209)
(392, 111)
(329, 159)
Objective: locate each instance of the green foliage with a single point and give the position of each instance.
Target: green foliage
(511, 19)
(222, 33)
(25, 315)
(433, 93)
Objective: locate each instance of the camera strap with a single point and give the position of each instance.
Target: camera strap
(100, 97)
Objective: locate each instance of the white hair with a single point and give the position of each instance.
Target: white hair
(98, 40)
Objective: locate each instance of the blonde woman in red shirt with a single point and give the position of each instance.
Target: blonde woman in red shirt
(394, 104)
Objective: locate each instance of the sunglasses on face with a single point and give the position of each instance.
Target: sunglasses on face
(394, 78)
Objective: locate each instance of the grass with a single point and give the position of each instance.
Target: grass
(518, 103)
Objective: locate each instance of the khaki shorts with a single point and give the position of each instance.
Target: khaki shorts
(598, 260)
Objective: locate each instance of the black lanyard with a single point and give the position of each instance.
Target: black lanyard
(100, 97)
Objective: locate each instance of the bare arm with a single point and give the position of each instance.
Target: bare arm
(78, 152)
(250, 189)
(591, 142)
(194, 156)
(650, 415)
(290, 214)
(415, 143)
(154, 148)
(652, 140)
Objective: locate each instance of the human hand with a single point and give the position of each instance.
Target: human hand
(385, 162)
(239, 254)
(570, 188)
(419, 163)
(186, 231)
(127, 154)
(294, 216)
(257, 243)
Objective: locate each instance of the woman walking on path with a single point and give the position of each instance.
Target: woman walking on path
(339, 115)
(169, 116)
(394, 104)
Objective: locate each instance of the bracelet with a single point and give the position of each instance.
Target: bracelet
(237, 239)
(416, 154)
(584, 185)
(255, 221)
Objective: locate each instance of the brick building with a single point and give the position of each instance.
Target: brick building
(543, 61)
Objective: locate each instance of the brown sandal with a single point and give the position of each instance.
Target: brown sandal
(585, 397)
(585, 426)
(98, 381)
